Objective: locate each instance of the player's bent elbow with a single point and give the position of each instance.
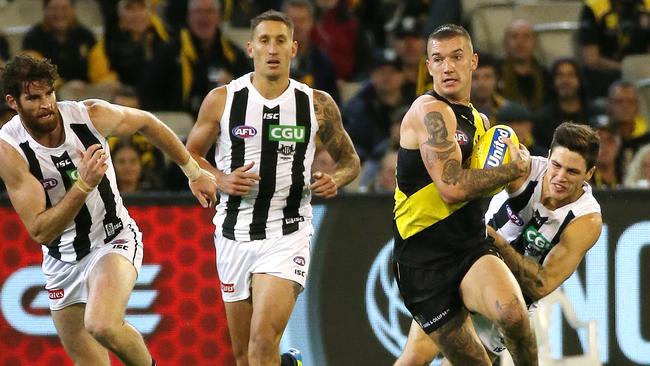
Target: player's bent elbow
(41, 236)
(452, 196)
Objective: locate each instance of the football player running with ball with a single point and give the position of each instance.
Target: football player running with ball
(445, 264)
(543, 224)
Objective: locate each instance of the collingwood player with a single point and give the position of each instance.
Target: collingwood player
(56, 165)
(543, 225)
(266, 126)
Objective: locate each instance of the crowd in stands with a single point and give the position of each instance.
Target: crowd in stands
(163, 55)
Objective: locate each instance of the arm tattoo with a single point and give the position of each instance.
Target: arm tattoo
(438, 134)
(529, 273)
(478, 182)
(335, 139)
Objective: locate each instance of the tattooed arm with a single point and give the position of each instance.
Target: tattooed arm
(538, 280)
(337, 143)
(435, 125)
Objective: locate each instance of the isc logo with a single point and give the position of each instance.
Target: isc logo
(63, 163)
(287, 133)
(271, 116)
(244, 131)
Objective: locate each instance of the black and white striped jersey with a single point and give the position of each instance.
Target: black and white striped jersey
(279, 136)
(526, 223)
(103, 215)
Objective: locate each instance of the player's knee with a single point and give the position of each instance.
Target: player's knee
(514, 323)
(103, 331)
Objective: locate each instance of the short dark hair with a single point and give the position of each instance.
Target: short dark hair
(581, 139)
(22, 70)
(274, 16)
(447, 31)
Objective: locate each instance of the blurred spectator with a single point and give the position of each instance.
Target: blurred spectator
(138, 164)
(484, 95)
(311, 65)
(238, 13)
(60, 38)
(567, 101)
(126, 96)
(519, 118)
(371, 167)
(339, 34)
(410, 45)
(4, 49)
(368, 114)
(608, 167)
(638, 172)
(189, 66)
(610, 30)
(623, 110)
(128, 167)
(122, 54)
(384, 181)
(522, 77)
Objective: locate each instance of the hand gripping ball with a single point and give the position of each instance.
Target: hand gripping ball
(491, 151)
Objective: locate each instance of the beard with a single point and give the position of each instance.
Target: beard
(34, 123)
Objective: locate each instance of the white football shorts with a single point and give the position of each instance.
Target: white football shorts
(285, 257)
(67, 283)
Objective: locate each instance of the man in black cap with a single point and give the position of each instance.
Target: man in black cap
(367, 116)
(410, 45)
(520, 119)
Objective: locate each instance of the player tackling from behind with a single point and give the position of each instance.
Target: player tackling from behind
(266, 126)
(56, 164)
(543, 224)
(445, 265)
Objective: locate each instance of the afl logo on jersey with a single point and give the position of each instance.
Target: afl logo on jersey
(514, 218)
(461, 137)
(49, 183)
(244, 132)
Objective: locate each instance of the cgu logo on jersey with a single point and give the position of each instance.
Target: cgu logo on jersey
(49, 183)
(244, 131)
(461, 137)
(536, 243)
(287, 133)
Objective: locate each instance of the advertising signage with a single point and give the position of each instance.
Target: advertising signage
(350, 312)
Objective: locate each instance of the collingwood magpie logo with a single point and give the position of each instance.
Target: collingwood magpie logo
(286, 151)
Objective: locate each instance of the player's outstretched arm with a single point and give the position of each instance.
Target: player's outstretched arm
(337, 143)
(111, 119)
(538, 280)
(435, 128)
(28, 196)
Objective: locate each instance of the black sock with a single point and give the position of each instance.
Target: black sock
(287, 360)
